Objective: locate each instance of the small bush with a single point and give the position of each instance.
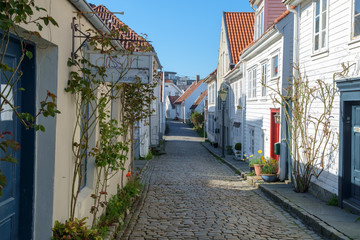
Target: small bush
(333, 201)
(75, 229)
(238, 146)
(197, 119)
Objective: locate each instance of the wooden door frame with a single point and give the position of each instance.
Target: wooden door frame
(273, 128)
(349, 96)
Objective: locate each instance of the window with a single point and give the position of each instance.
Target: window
(356, 18)
(252, 83)
(263, 79)
(252, 140)
(275, 66)
(259, 24)
(320, 25)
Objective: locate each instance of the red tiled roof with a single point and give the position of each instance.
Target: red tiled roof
(129, 39)
(240, 30)
(172, 100)
(199, 99)
(188, 91)
(168, 81)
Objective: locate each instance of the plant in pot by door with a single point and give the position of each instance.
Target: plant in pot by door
(269, 170)
(238, 151)
(257, 163)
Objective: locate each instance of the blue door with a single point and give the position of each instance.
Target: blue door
(355, 153)
(16, 202)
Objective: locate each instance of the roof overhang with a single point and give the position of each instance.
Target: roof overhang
(93, 18)
(270, 37)
(292, 2)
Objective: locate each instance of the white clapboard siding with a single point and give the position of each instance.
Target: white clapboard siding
(323, 66)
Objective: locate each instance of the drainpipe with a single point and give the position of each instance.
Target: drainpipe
(296, 34)
(295, 75)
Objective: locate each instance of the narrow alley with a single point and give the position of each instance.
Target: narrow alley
(189, 194)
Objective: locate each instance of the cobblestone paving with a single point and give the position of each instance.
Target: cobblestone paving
(190, 194)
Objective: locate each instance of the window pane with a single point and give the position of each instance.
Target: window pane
(357, 7)
(323, 24)
(323, 39)
(317, 7)
(317, 42)
(324, 5)
(357, 26)
(317, 24)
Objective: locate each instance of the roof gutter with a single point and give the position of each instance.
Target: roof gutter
(93, 18)
(254, 49)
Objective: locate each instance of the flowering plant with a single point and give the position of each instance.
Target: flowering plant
(258, 160)
(270, 166)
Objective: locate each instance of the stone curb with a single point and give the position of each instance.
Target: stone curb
(241, 172)
(308, 219)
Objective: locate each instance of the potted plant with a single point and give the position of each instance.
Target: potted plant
(237, 148)
(269, 170)
(256, 164)
(229, 150)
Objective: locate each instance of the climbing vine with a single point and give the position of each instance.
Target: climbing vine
(307, 107)
(12, 14)
(99, 137)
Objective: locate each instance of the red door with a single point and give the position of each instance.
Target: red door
(274, 132)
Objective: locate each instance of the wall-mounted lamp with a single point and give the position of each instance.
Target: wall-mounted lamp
(277, 117)
(223, 94)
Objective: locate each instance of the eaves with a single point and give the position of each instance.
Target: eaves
(292, 2)
(269, 38)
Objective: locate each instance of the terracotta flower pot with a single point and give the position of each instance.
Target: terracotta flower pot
(258, 168)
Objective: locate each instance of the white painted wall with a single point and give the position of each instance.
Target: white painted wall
(341, 49)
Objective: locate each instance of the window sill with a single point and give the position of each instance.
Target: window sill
(320, 54)
(274, 78)
(354, 43)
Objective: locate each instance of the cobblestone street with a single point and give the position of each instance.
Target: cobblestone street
(189, 194)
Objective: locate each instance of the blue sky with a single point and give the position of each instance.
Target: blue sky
(184, 33)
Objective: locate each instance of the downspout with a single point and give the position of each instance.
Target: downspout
(296, 35)
(295, 75)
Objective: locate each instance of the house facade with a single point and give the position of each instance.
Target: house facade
(236, 33)
(326, 34)
(210, 80)
(172, 93)
(148, 132)
(39, 189)
(187, 99)
(263, 67)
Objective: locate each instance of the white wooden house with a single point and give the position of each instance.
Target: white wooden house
(172, 93)
(236, 33)
(148, 132)
(263, 63)
(211, 106)
(327, 34)
(186, 100)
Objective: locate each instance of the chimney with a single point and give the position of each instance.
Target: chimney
(197, 78)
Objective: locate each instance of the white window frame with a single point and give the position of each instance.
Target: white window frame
(264, 78)
(259, 23)
(274, 73)
(353, 16)
(321, 32)
(252, 83)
